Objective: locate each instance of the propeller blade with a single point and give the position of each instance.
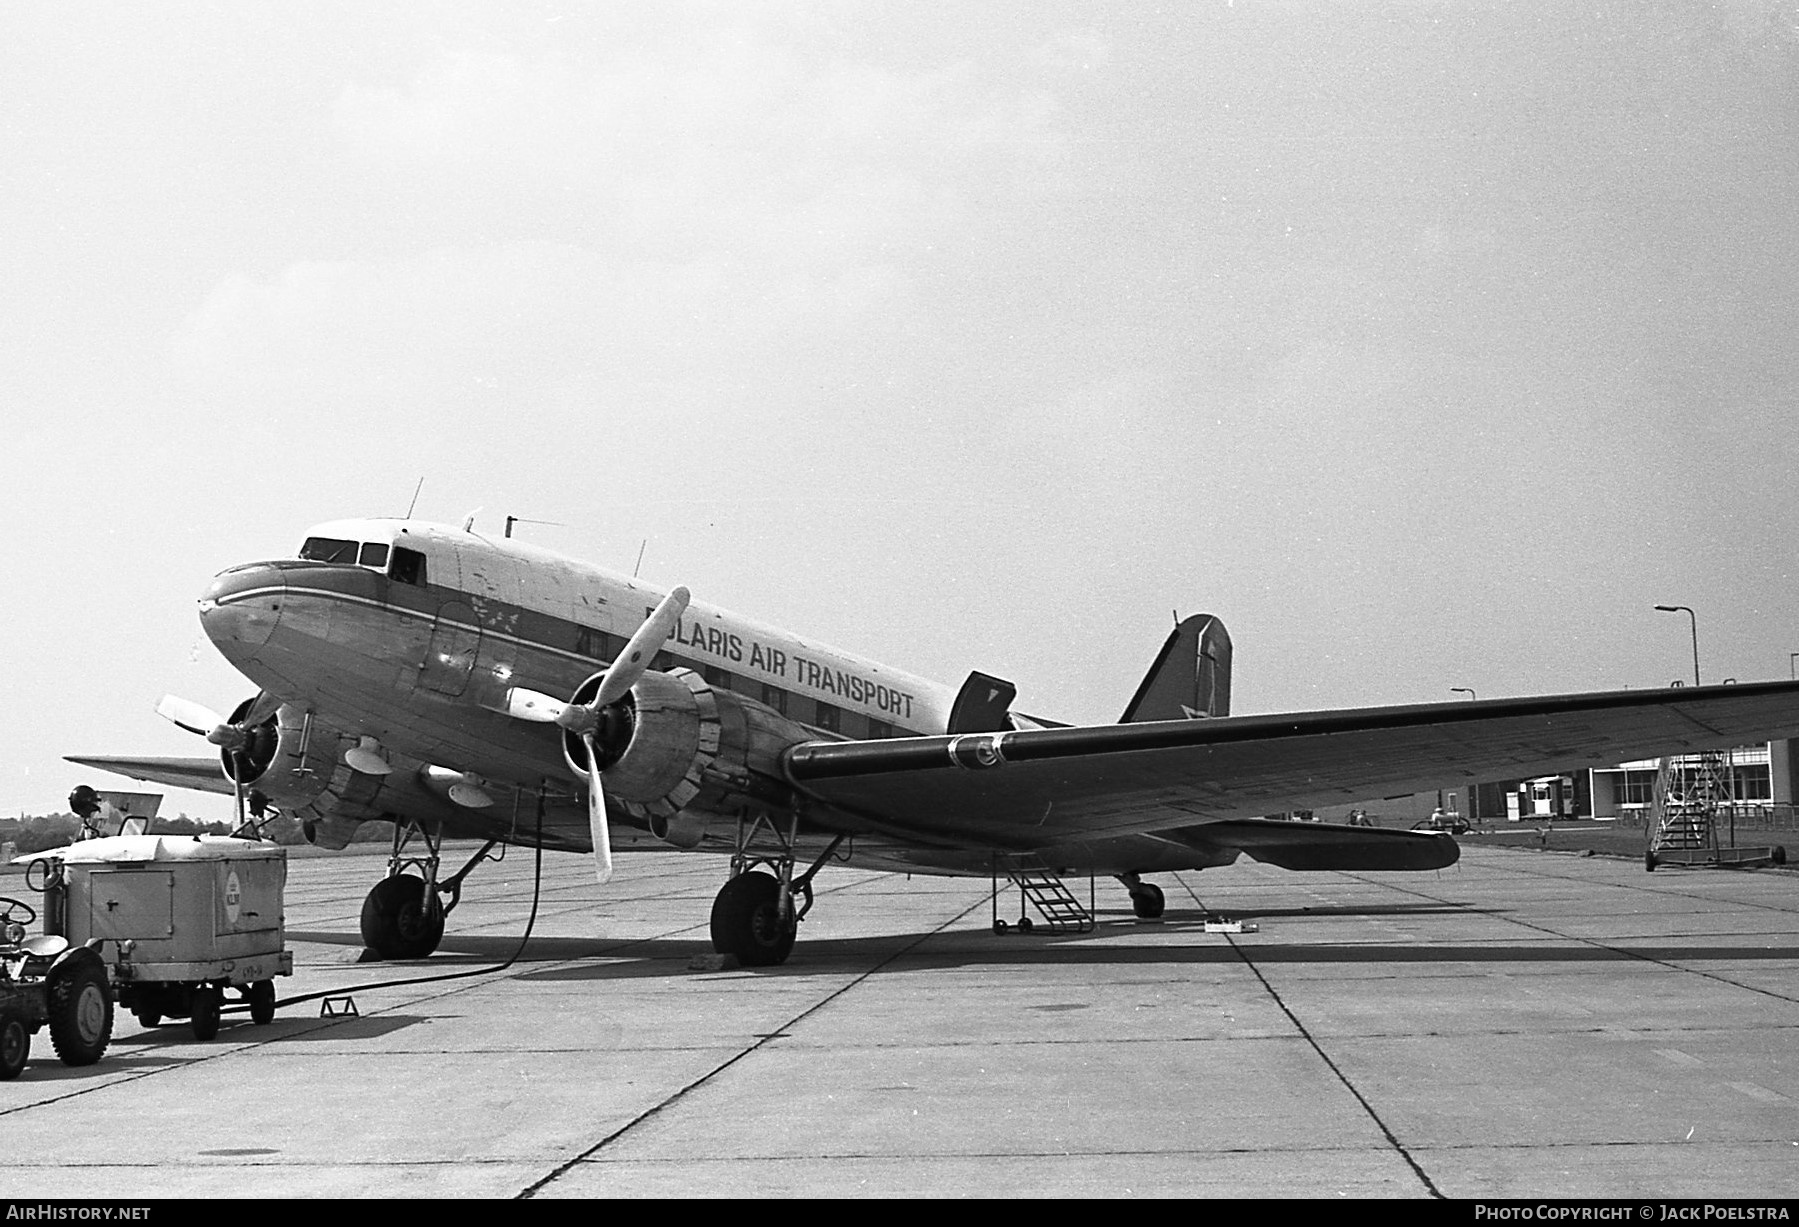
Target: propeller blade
(596, 813)
(634, 661)
(189, 715)
(533, 705)
(266, 705)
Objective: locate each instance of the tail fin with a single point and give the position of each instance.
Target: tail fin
(1191, 676)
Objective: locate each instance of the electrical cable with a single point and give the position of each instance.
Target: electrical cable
(523, 941)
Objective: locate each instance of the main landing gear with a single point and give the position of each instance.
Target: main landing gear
(403, 916)
(756, 916)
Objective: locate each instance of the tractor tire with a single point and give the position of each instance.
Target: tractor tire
(80, 1010)
(15, 1047)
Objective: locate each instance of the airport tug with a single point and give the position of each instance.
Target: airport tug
(163, 924)
(45, 980)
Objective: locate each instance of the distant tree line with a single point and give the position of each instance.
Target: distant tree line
(29, 834)
(36, 834)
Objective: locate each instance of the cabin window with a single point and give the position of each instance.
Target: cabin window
(328, 549)
(829, 717)
(879, 728)
(774, 697)
(407, 566)
(374, 554)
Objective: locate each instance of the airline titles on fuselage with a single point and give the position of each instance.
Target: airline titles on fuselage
(791, 666)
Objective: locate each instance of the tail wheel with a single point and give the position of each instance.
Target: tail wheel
(398, 922)
(1148, 902)
(15, 1046)
(80, 1010)
(747, 921)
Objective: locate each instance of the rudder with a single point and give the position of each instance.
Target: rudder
(1191, 676)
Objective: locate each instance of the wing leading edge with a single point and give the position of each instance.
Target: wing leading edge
(1049, 785)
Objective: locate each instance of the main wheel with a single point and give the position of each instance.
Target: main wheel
(80, 1010)
(15, 1046)
(262, 1002)
(203, 1012)
(398, 922)
(746, 921)
(1148, 902)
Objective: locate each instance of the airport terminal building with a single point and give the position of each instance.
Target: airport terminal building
(1762, 778)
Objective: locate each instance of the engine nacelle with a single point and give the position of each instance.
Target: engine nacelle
(687, 753)
(296, 762)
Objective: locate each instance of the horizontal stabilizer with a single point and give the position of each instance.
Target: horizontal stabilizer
(200, 774)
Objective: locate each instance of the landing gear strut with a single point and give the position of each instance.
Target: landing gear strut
(403, 916)
(755, 915)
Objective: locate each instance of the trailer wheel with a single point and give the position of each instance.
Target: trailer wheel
(203, 1013)
(80, 1010)
(147, 1017)
(262, 1002)
(15, 1046)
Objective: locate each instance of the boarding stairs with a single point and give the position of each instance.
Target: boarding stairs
(1692, 792)
(1061, 910)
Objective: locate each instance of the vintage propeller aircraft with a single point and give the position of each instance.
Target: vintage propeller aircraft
(460, 685)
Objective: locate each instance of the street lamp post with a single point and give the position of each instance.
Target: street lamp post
(1694, 619)
(1473, 789)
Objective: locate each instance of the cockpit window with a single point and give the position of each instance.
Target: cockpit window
(408, 566)
(374, 554)
(328, 549)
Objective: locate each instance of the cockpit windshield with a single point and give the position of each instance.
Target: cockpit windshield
(328, 549)
(332, 549)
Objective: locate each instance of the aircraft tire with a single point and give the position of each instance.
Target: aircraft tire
(395, 922)
(80, 1010)
(203, 1012)
(1149, 903)
(746, 921)
(262, 1002)
(15, 1047)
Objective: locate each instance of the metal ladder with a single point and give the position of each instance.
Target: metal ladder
(1684, 826)
(1061, 910)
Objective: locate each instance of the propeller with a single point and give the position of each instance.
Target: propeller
(232, 736)
(226, 734)
(585, 720)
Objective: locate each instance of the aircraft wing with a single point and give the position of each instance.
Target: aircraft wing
(199, 774)
(1041, 786)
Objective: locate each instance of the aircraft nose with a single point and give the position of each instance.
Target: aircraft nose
(241, 607)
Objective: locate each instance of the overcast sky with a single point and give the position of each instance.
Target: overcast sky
(1429, 345)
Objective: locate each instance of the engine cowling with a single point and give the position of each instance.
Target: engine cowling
(682, 753)
(297, 765)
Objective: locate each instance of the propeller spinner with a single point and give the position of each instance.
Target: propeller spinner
(586, 720)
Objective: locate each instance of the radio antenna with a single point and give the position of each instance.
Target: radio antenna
(640, 550)
(415, 496)
(511, 520)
